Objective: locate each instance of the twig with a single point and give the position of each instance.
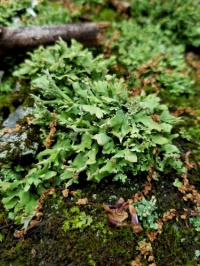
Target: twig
(6, 226)
(25, 38)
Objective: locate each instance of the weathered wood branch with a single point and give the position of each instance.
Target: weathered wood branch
(25, 38)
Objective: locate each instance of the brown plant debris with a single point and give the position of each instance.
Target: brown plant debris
(138, 196)
(189, 192)
(52, 126)
(29, 120)
(82, 201)
(11, 130)
(147, 188)
(137, 261)
(38, 214)
(194, 61)
(169, 215)
(65, 192)
(147, 252)
(135, 225)
(117, 214)
(153, 235)
(189, 165)
(185, 110)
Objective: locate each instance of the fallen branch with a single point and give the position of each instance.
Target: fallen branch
(25, 38)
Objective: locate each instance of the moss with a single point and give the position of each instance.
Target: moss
(176, 245)
(107, 14)
(100, 243)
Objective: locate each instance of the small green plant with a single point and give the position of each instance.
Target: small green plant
(146, 210)
(178, 19)
(9, 10)
(76, 219)
(195, 221)
(197, 254)
(6, 85)
(177, 183)
(153, 59)
(28, 12)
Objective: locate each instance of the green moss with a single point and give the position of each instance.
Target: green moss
(171, 247)
(106, 14)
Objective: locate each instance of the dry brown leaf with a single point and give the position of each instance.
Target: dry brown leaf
(156, 118)
(52, 126)
(150, 258)
(160, 225)
(115, 216)
(183, 216)
(121, 6)
(38, 207)
(32, 224)
(169, 215)
(65, 193)
(29, 120)
(19, 234)
(137, 261)
(135, 225)
(11, 130)
(189, 165)
(147, 188)
(147, 251)
(82, 201)
(33, 252)
(152, 235)
(138, 196)
(73, 193)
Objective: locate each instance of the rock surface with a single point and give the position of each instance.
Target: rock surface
(17, 146)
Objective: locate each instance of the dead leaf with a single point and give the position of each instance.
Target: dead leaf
(82, 201)
(169, 215)
(11, 130)
(137, 261)
(65, 193)
(33, 252)
(135, 225)
(152, 235)
(138, 196)
(19, 234)
(116, 217)
(52, 126)
(147, 188)
(29, 120)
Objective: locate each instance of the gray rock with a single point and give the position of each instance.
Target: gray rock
(19, 113)
(18, 146)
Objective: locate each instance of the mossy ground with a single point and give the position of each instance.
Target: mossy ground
(100, 243)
